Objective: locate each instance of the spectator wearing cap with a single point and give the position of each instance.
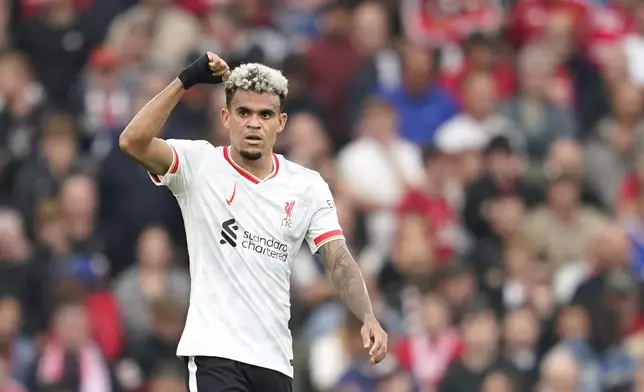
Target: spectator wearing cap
(502, 177)
(535, 117)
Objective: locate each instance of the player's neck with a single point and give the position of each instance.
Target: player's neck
(260, 168)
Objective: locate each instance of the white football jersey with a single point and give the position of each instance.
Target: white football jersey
(242, 235)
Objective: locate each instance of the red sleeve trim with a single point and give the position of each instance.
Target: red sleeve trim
(175, 163)
(323, 237)
(173, 169)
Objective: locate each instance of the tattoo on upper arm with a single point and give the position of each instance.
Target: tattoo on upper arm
(346, 277)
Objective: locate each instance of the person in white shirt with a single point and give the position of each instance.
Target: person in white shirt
(247, 212)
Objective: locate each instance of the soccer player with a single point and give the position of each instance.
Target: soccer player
(247, 212)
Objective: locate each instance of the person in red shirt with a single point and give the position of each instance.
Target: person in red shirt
(432, 345)
(481, 54)
(604, 28)
(431, 202)
(529, 17)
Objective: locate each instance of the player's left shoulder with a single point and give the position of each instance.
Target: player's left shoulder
(300, 175)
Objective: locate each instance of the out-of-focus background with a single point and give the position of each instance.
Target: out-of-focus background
(486, 158)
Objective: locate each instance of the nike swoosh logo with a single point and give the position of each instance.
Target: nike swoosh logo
(232, 197)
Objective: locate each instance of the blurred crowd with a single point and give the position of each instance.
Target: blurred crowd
(486, 158)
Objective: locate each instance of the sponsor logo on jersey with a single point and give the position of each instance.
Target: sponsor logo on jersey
(265, 246)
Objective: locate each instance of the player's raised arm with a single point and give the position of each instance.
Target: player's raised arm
(139, 139)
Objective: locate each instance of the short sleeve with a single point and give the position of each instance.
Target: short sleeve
(324, 226)
(187, 156)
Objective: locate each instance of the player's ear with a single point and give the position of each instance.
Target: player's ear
(225, 117)
(283, 118)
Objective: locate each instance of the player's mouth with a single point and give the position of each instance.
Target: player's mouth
(253, 139)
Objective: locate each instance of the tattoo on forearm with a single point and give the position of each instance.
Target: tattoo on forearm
(346, 277)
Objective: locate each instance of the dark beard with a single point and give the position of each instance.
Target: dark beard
(250, 156)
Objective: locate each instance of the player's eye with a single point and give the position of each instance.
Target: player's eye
(243, 112)
(267, 115)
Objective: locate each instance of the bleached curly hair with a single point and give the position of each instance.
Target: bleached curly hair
(256, 78)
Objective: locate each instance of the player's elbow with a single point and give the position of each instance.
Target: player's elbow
(129, 144)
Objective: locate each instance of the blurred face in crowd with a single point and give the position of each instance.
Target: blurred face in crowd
(497, 382)
(521, 330)
(564, 156)
(518, 262)
(639, 17)
(459, 290)
(167, 384)
(612, 248)
(58, 144)
(306, 139)
(436, 314)
(71, 326)
(398, 382)
(535, 73)
(253, 121)
(10, 318)
(480, 95)
(336, 22)
(150, 87)
(503, 166)
(482, 56)
(572, 323)
(558, 35)
(415, 251)
(370, 27)
(505, 215)
(418, 68)
(14, 74)
(437, 171)
(134, 49)
(563, 194)
(627, 102)
(154, 249)
(50, 228)
(480, 332)
(221, 27)
(380, 122)
(614, 70)
(14, 245)
(559, 373)
(78, 198)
